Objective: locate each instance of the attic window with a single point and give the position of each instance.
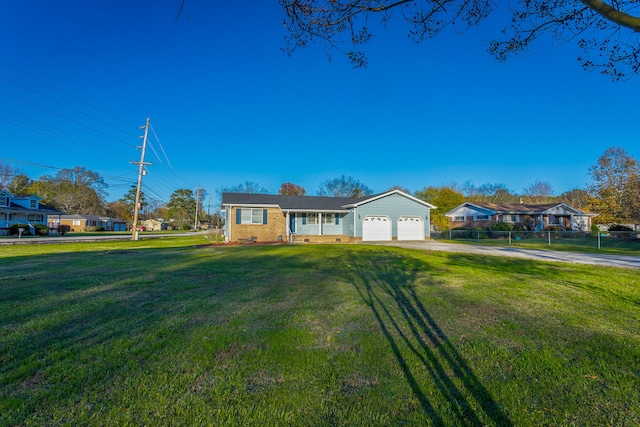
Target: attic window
(33, 203)
(4, 201)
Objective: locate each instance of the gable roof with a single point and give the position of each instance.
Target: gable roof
(307, 203)
(364, 200)
(289, 203)
(517, 208)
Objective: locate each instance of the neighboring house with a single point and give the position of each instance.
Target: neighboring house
(266, 217)
(79, 222)
(537, 217)
(23, 210)
(155, 224)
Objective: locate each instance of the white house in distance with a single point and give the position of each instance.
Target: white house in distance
(539, 217)
(23, 210)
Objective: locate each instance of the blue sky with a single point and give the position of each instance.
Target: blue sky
(226, 105)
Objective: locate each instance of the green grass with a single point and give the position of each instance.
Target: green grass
(170, 332)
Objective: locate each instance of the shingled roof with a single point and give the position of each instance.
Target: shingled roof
(291, 203)
(518, 208)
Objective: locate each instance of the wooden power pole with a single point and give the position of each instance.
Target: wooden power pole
(141, 163)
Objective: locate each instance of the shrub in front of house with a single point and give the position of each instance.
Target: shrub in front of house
(14, 230)
(621, 231)
(63, 229)
(94, 228)
(499, 229)
(41, 230)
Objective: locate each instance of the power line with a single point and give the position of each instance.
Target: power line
(66, 105)
(67, 93)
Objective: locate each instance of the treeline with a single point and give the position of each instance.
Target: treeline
(614, 194)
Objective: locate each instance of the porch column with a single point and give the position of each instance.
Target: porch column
(288, 227)
(319, 224)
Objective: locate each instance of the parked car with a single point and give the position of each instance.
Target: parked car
(142, 228)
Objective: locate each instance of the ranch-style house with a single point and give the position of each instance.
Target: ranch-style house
(393, 215)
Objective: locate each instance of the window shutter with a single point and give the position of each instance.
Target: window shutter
(304, 218)
(264, 216)
(337, 219)
(238, 216)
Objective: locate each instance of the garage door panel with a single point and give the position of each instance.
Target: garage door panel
(410, 228)
(376, 228)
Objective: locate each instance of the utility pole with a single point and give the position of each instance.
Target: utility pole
(198, 202)
(141, 163)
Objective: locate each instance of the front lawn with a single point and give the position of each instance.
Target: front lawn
(171, 332)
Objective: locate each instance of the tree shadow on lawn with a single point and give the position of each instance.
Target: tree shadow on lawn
(409, 325)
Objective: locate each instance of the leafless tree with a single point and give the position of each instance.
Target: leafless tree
(608, 31)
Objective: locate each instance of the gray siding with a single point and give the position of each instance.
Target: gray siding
(327, 229)
(394, 206)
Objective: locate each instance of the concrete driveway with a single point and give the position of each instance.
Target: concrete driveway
(607, 260)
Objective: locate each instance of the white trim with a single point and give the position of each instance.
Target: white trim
(388, 193)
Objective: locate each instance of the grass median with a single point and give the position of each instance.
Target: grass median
(171, 332)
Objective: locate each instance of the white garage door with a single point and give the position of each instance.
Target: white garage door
(376, 228)
(410, 228)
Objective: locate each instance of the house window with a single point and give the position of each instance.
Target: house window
(4, 201)
(458, 218)
(76, 222)
(554, 220)
(35, 218)
(33, 203)
(510, 218)
(482, 217)
(329, 218)
(312, 218)
(252, 216)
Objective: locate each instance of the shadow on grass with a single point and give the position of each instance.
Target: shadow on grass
(407, 325)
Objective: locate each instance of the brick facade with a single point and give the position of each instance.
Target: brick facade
(274, 230)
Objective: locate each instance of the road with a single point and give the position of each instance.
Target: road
(607, 260)
(79, 238)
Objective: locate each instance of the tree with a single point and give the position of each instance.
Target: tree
(6, 175)
(345, 186)
(19, 185)
(539, 192)
(398, 187)
(615, 189)
(245, 187)
(289, 189)
(492, 193)
(129, 199)
(182, 208)
(576, 198)
(76, 190)
(345, 25)
(119, 209)
(445, 199)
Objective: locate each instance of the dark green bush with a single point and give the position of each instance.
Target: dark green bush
(41, 229)
(13, 230)
(620, 227)
(64, 229)
(501, 226)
